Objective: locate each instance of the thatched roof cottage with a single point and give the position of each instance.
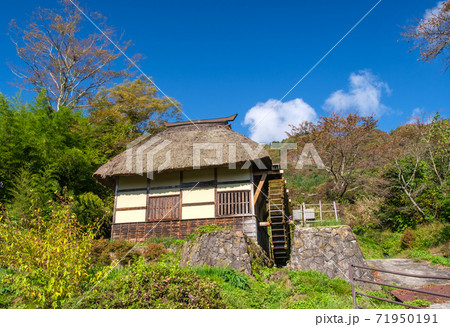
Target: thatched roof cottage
(190, 174)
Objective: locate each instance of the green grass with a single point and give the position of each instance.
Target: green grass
(370, 248)
(425, 255)
(325, 223)
(419, 303)
(377, 244)
(276, 288)
(270, 288)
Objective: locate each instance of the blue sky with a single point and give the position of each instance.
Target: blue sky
(223, 57)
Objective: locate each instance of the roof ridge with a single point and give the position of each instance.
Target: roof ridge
(223, 120)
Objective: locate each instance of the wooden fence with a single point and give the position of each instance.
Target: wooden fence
(316, 212)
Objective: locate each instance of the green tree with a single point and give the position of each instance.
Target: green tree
(418, 175)
(125, 111)
(44, 151)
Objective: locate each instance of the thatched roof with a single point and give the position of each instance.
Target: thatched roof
(212, 141)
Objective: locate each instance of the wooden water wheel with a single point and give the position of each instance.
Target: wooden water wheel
(278, 208)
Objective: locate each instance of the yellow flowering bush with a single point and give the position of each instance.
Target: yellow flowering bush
(49, 256)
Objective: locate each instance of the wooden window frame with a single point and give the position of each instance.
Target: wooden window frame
(174, 213)
(239, 206)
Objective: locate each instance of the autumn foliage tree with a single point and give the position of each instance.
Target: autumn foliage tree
(431, 34)
(68, 65)
(348, 146)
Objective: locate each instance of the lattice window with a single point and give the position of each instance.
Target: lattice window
(233, 203)
(164, 207)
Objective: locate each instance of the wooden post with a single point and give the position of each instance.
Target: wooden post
(335, 210)
(320, 210)
(303, 214)
(116, 189)
(252, 194)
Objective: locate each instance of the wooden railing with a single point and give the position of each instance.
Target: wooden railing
(353, 279)
(316, 212)
(232, 203)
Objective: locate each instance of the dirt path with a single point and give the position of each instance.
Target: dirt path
(410, 267)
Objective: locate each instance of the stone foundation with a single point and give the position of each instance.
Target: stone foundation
(228, 248)
(329, 250)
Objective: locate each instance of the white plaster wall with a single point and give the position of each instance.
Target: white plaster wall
(132, 199)
(198, 195)
(130, 216)
(195, 212)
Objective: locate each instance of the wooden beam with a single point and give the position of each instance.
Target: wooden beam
(131, 208)
(267, 172)
(335, 210)
(258, 189)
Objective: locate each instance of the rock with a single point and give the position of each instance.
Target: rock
(231, 249)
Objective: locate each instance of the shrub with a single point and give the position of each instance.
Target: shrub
(408, 238)
(425, 255)
(362, 214)
(228, 275)
(205, 229)
(153, 285)
(165, 240)
(50, 258)
(433, 234)
(106, 252)
(391, 243)
(153, 251)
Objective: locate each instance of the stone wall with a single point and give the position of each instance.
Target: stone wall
(227, 248)
(329, 250)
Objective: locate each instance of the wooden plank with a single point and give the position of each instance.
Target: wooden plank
(193, 204)
(132, 189)
(258, 189)
(335, 211)
(115, 199)
(216, 203)
(147, 200)
(130, 208)
(304, 213)
(320, 209)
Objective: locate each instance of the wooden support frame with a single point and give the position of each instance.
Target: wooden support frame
(116, 188)
(258, 189)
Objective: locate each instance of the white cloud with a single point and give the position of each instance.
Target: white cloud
(268, 121)
(363, 96)
(419, 114)
(429, 13)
